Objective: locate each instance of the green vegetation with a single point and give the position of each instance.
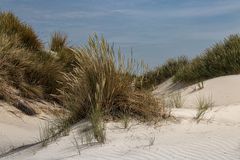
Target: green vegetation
(221, 59)
(160, 74)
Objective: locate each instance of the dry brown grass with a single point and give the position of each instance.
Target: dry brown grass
(35, 75)
(101, 78)
(101, 81)
(94, 82)
(58, 41)
(12, 26)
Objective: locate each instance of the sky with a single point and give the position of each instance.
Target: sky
(154, 30)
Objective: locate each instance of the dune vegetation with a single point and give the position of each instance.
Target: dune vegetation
(221, 59)
(90, 81)
(161, 73)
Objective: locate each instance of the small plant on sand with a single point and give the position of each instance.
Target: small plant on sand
(176, 100)
(87, 138)
(98, 128)
(203, 105)
(151, 141)
(98, 125)
(76, 144)
(125, 121)
(53, 130)
(199, 86)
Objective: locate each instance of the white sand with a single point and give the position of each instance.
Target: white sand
(215, 137)
(18, 129)
(223, 91)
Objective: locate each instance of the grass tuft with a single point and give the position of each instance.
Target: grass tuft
(203, 105)
(176, 100)
(101, 83)
(12, 26)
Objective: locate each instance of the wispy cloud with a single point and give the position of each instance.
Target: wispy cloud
(185, 12)
(153, 28)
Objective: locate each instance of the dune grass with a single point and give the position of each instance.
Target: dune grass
(176, 100)
(12, 26)
(35, 75)
(221, 59)
(24, 64)
(100, 88)
(158, 75)
(203, 104)
(107, 83)
(92, 81)
(101, 82)
(58, 41)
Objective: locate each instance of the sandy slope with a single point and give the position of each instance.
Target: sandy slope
(215, 137)
(223, 91)
(18, 129)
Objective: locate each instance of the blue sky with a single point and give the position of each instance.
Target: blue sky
(154, 29)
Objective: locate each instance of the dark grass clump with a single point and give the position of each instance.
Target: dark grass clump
(12, 26)
(160, 74)
(58, 42)
(221, 59)
(64, 54)
(25, 65)
(34, 75)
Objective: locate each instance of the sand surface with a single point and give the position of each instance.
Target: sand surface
(215, 137)
(18, 129)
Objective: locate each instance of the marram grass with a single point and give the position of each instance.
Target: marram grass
(221, 59)
(102, 78)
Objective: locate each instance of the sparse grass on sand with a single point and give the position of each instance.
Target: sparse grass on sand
(176, 100)
(203, 104)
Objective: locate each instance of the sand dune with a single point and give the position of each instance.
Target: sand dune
(223, 91)
(215, 137)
